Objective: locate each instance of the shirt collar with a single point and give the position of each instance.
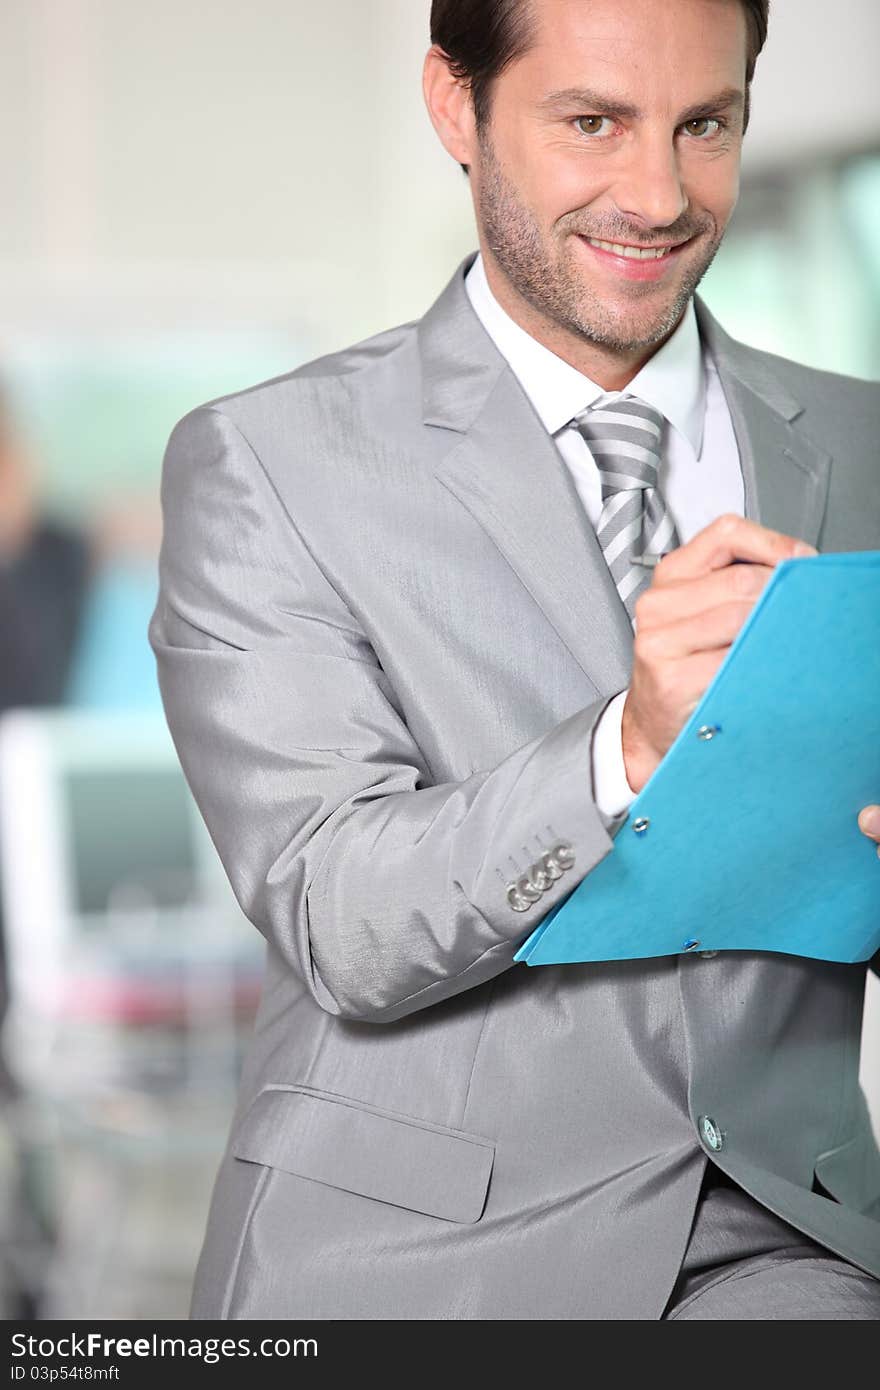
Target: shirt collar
(673, 380)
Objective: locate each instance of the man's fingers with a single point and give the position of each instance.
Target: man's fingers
(728, 538)
(689, 615)
(682, 598)
(710, 630)
(869, 823)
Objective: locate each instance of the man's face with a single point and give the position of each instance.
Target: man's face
(647, 156)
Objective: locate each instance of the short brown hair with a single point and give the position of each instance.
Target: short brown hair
(483, 37)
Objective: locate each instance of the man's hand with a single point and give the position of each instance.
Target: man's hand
(686, 620)
(869, 824)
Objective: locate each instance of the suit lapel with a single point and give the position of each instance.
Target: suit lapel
(785, 474)
(506, 470)
(508, 473)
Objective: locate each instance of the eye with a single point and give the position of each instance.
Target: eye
(594, 121)
(703, 123)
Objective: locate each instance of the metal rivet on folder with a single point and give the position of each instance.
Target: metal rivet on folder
(707, 731)
(691, 944)
(641, 824)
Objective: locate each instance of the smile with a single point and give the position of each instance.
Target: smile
(636, 253)
(630, 263)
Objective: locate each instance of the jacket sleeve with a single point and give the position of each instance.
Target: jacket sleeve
(384, 891)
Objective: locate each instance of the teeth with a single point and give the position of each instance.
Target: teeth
(636, 253)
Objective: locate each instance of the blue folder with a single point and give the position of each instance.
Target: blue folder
(745, 838)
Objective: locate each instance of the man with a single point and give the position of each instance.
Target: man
(395, 645)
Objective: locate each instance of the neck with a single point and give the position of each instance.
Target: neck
(610, 368)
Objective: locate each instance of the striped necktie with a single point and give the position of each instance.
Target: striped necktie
(623, 435)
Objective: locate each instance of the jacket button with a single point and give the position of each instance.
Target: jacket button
(710, 1134)
(539, 878)
(550, 867)
(528, 889)
(563, 855)
(516, 899)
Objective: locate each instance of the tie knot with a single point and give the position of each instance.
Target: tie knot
(623, 436)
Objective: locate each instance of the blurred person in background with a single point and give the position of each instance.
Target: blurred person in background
(74, 600)
(45, 567)
(44, 575)
(416, 673)
(45, 570)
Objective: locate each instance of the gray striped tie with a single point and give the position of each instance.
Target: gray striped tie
(623, 436)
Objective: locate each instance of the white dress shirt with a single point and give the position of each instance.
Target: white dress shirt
(699, 475)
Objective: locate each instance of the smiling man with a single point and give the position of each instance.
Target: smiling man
(601, 204)
(432, 610)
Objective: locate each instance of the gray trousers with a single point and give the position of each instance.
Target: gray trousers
(742, 1262)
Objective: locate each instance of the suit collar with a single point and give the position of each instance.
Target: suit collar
(460, 362)
(736, 361)
(505, 469)
(785, 473)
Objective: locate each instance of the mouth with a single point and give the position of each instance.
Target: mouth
(632, 261)
(633, 252)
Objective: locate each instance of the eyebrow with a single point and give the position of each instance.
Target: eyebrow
(605, 105)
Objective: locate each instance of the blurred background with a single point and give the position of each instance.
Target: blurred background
(201, 195)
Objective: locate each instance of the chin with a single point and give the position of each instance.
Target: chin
(619, 327)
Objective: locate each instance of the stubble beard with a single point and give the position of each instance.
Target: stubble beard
(558, 290)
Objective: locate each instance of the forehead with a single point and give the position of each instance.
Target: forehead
(681, 47)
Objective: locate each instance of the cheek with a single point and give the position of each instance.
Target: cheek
(562, 184)
(714, 187)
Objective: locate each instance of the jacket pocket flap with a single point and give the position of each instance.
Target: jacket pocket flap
(851, 1173)
(391, 1157)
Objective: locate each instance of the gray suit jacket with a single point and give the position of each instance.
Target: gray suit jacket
(384, 633)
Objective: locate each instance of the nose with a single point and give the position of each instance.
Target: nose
(649, 189)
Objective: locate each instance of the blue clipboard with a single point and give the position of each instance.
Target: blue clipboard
(745, 838)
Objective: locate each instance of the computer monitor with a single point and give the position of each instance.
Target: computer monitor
(111, 888)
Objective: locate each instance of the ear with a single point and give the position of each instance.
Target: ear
(449, 104)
